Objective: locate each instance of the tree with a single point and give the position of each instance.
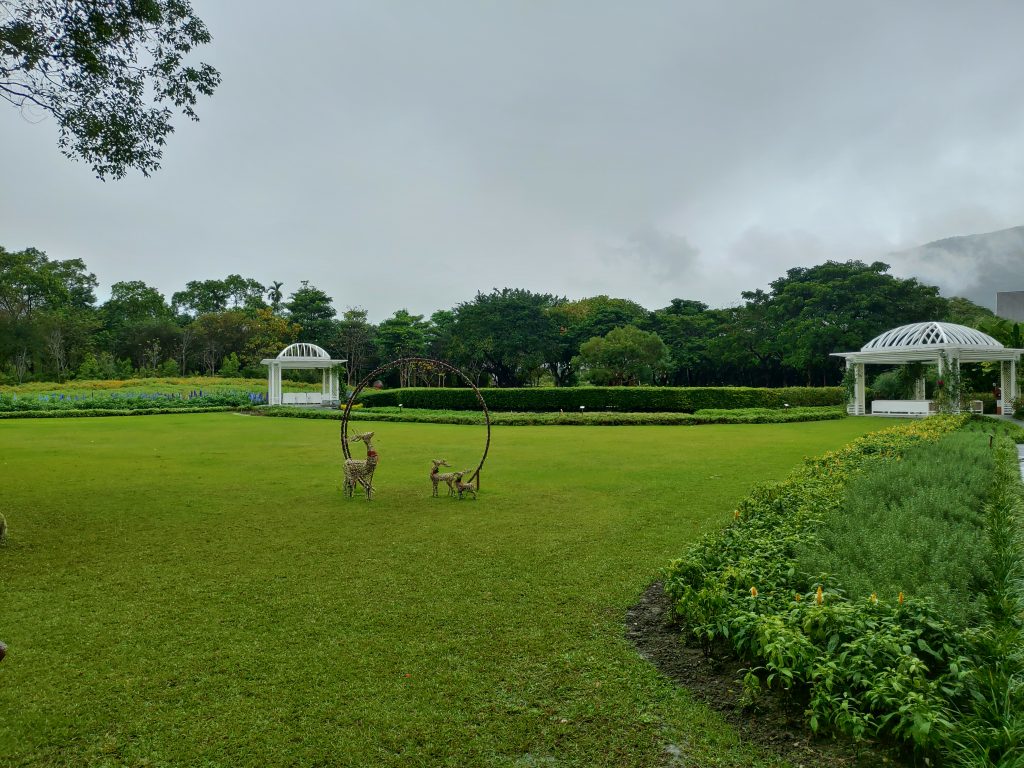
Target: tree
(32, 287)
(580, 320)
(355, 341)
(402, 335)
(275, 295)
(838, 306)
(624, 356)
(108, 72)
(508, 334)
(133, 302)
(312, 309)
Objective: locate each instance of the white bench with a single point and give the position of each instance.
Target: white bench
(301, 398)
(902, 407)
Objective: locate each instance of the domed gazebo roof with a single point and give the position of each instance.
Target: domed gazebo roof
(931, 334)
(924, 342)
(303, 351)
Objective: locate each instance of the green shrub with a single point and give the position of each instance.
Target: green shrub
(915, 526)
(871, 665)
(626, 399)
(611, 418)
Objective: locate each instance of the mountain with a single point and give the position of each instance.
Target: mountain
(972, 266)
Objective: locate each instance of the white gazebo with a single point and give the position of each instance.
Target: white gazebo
(928, 343)
(303, 356)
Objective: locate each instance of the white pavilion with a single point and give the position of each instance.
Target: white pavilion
(303, 356)
(926, 343)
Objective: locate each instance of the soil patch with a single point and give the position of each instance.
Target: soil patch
(774, 723)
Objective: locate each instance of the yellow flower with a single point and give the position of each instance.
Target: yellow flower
(797, 597)
(901, 598)
(820, 597)
(753, 591)
(873, 598)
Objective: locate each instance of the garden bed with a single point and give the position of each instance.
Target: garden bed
(878, 586)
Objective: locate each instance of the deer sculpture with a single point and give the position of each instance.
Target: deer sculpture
(462, 487)
(438, 477)
(361, 472)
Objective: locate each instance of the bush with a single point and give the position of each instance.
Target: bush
(625, 399)
(915, 526)
(607, 419)
(875, 665)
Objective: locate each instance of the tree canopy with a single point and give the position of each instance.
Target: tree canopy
(51, 327)
(108, 72)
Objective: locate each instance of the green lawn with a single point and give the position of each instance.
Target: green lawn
(194, 590)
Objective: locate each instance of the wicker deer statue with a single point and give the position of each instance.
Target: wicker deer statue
(462, 487)
(361, 472)
(439, 477)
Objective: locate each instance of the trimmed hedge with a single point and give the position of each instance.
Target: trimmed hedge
(625, 399)
(72, 413)
(127, 402)
(605, 419)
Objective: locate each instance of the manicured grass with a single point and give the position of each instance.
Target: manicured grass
(194, 590)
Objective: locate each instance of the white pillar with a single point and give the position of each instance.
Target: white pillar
(278, 399)
(1013, 382)
(919, 389)
(270, 384)
(859, 390)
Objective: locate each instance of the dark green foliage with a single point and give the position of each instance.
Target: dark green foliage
(108, 72)
(623, 356)
(626, 399)
(311, 308)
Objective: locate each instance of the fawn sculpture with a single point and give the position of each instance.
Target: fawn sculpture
(438, 477)
(462, 487)
(361, 472)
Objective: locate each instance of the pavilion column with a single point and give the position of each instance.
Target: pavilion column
(859, 390)
(278, 395)
(325, 385)
(1007, 385)
(920, 392)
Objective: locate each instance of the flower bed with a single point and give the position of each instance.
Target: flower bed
(872, 666)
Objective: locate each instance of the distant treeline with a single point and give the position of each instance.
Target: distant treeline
(52, 328)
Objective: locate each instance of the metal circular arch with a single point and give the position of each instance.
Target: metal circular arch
(381, 369)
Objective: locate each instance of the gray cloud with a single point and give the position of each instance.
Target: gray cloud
(409, 155)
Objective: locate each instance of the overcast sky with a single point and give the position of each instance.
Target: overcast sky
(401, 154)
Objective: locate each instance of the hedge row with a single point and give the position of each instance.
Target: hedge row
(605, 419)
(70, 413)
(127, 402)
(624, 399)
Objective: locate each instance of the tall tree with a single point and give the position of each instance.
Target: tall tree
(401, 335)
(275, 295)
(312, 309)
(623, 357)
(508, 334)
(355, 342)
(32, 287)
(108, 72)
(580, 320)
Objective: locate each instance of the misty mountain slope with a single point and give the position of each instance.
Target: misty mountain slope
(972, 266)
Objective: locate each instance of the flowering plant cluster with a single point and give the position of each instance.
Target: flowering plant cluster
(870, 666)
